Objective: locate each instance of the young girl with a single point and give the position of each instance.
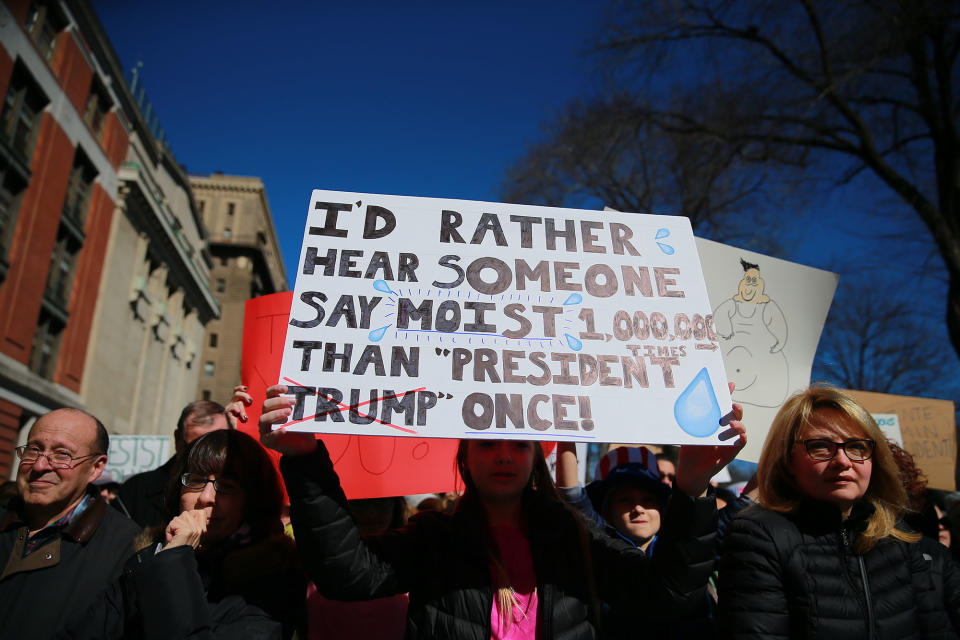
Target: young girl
(512, 561)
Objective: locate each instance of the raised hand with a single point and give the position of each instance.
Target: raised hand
(276, 410)
(698, 463)
(237, 409)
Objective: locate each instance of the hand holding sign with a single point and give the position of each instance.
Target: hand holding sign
(276, 410)
(698, 463)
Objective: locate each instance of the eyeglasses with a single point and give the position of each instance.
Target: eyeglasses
(195, 482)
(57, 459)
(857, 450)
(668, 476)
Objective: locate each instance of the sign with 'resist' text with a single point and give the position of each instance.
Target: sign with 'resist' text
(130, 455)
(450, 318)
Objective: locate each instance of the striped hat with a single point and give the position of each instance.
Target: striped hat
(635, 465)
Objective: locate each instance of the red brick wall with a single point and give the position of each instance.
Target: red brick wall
(6, 71)
(114, 140)
(33, 240)
(19, 9)
(9, 428)
(72, 71)
(83, 294)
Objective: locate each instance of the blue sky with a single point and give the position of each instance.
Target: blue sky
(415, 98)
(423, 99)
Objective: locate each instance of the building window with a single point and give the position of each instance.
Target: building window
(213, 340)
(98, 106)
(46, 344)
(221, 285)
(261, 238)
(223, 261)
(22, 108)
(63, 263)
(44, 22)
(231, 209)
(205, 394)
(11, 188)
(208, 369)
(79, 186)
(227, 232)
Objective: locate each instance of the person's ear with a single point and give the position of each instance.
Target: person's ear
(98, 464)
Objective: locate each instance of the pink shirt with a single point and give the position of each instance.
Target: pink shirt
(515, 553)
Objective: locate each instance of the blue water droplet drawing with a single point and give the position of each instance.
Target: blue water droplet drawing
(667, 249)
(662, 233)
(574, 344)
(377, 334)
(381, 285)
(696, 408)
(573, 298)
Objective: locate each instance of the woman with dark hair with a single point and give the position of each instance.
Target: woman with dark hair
(223, 568)
(825, 554)
(512, 561)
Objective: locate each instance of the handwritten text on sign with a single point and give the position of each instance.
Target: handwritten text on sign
(450, 318)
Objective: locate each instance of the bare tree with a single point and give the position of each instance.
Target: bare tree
(873, 342)
(613, 152)
(873, 82)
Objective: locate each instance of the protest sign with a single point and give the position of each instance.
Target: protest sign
(130, 455)
(427, 318)
(928, 428)
(768, 314)
(368, 466)
(889, 423)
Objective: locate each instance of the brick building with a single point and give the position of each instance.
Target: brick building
(246, 264)
(101, 246)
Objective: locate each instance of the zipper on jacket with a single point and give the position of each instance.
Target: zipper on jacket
(866, 594)
(863, 578)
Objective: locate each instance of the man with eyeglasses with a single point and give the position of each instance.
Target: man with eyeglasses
(141, 497)
(60, 544)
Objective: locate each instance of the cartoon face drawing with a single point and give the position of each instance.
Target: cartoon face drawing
(750, 289)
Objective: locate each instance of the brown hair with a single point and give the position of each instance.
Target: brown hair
(913, 478)
(778, 488)
(202, 412)
(236, 455)
(540, 491)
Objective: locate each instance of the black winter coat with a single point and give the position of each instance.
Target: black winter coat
(142, 496)
(254, 592)
(60, 579)
(440, 561)
(797, 576)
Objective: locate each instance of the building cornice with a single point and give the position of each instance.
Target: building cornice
(154, 217)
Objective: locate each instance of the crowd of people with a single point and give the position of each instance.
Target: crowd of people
(835, 534)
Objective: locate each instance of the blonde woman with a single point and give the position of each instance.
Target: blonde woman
(824, 555)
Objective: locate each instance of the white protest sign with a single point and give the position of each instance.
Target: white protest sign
(451, 318)
(768, 314)
(889, 423)
(130, 455)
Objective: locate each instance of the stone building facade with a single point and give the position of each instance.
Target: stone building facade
(104, 281)
(246, 263)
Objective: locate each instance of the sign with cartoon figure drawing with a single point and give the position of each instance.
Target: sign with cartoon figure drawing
(450, 318)
(753, 332)
(768, 315)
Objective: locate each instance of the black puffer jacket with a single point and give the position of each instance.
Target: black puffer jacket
(253, 591)
(440, 561)
(796, 575)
